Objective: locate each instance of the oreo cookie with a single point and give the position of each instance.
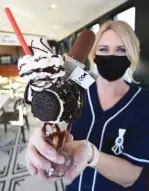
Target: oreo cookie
(45, 106)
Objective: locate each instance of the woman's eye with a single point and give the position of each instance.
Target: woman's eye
(121, 50)
(103, 50)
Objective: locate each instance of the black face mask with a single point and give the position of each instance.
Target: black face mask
(111, 67)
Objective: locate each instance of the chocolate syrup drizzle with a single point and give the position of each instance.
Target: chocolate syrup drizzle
(60, 135)
(48, 80)
(49, 69)
(41, 41)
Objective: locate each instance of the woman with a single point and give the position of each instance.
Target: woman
(112, 135)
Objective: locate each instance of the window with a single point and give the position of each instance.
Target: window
(95, 28)
(127, 16)
(11, 39)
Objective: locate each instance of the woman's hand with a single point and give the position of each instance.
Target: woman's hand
(83, 153)
(39, 154)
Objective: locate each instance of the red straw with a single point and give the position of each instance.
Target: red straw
(17, 31)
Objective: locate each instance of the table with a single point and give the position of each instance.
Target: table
(3, 100)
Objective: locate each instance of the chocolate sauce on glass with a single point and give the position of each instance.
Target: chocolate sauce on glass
(58, 170)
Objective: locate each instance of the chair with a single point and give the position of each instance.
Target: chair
(15, 117)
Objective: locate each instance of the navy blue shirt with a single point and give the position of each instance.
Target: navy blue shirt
(122, 131)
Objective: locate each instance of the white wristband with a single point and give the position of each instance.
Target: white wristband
(95, 159)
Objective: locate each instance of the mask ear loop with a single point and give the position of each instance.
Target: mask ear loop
(93, 71)
(133, 80)
(130, 75)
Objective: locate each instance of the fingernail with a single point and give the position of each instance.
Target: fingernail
(67, 181)
(46, 167)
(61, 160)
(32, 172)
(49, 152)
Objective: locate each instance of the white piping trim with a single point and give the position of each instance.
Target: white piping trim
(90, 130)
(94, 180)
(136, 159)
(104, 128)
(93, 114)
(105, 125)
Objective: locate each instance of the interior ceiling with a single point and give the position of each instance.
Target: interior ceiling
(36, 17)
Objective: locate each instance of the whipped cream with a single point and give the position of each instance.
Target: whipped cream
(43, 68)
(50, 128)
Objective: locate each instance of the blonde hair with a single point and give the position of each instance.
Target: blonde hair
(128, 37)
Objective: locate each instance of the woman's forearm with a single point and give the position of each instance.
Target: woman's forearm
(117, 170)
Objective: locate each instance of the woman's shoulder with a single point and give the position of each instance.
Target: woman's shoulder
(143, 95)
(140, 104)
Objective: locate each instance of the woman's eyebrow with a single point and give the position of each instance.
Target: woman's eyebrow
(106, 46)
(103, 46)
(121, 46)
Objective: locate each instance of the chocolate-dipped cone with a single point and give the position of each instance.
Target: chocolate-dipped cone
(56, 137)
